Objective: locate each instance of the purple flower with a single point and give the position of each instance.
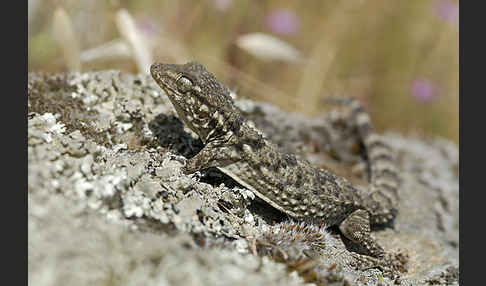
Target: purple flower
(282, 22)
(423, 90)
(147, 26)
(447, 11)
(222, 5)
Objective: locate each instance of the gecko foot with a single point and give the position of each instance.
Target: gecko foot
(392, 265)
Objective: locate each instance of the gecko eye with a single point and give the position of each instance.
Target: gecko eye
(203, 114)
(184, 84)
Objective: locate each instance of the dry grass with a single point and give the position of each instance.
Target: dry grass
(399, 57)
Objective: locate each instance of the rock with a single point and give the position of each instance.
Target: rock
(108, 203)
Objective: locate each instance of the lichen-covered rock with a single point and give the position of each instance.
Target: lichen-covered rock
(108, 203)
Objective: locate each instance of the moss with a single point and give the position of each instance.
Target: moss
(295, 245)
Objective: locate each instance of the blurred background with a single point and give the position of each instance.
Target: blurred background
(399, 58)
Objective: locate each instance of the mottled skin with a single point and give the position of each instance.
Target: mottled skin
(293, 186)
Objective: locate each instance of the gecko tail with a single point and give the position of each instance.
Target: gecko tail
(382, 200)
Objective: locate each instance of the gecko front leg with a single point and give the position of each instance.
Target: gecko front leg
(214, 154)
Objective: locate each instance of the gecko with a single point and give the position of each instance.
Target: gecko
(295, 187)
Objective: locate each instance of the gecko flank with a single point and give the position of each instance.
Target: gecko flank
(292, 186)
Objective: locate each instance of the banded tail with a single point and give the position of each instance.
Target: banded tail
(382, 198)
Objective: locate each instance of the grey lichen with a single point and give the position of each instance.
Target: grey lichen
(69, 246)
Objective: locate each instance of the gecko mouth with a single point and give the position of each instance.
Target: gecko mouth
(170, 91)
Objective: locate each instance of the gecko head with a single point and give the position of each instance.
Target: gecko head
(198, 97)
